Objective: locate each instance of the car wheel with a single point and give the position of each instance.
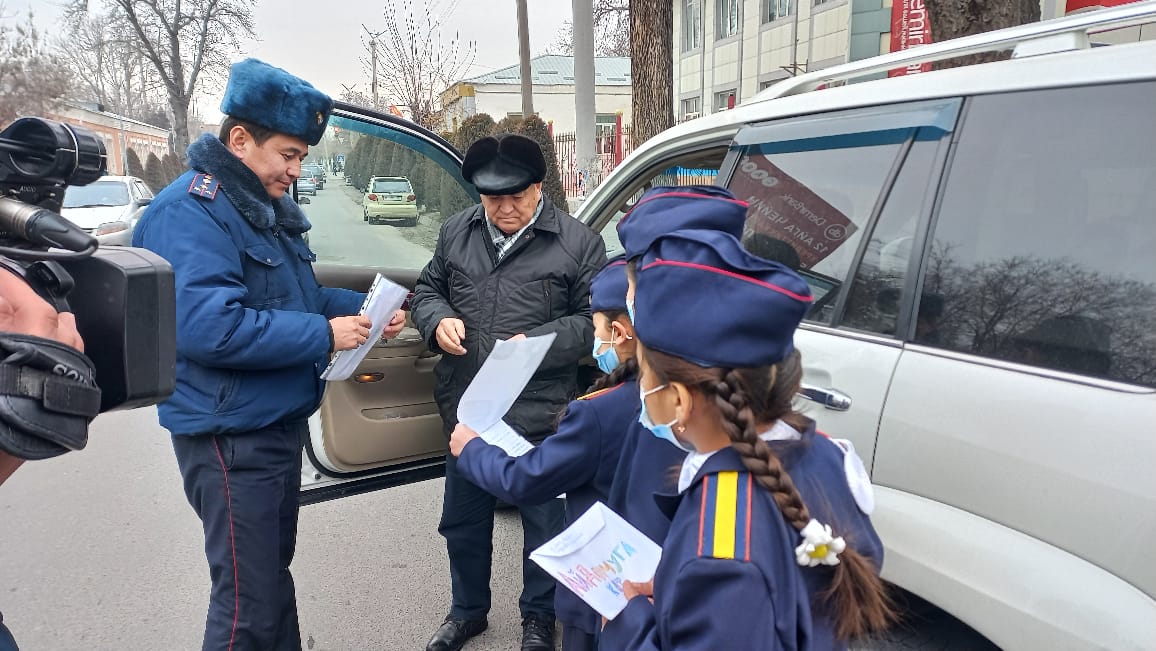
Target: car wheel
(411, 222)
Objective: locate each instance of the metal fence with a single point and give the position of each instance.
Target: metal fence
(610, 147)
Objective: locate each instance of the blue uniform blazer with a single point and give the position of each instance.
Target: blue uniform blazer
(578, 460)
(728, 578)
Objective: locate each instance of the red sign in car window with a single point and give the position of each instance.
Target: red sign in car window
(784, 208)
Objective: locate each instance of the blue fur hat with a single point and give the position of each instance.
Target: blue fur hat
(665, 209)
(750, 306)
(608, 288)
(272, 98)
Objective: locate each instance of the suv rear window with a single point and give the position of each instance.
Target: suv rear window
(391, 186)
(1043, 249)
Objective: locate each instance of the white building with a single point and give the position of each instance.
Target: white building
(499, 93)
(726, 51)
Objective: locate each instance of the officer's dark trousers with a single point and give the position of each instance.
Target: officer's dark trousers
(244, 488)
(468, 526)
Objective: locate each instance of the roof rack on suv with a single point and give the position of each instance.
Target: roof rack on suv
(1070, 32)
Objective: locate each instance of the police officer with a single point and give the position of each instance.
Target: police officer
(514, 265)
(254, 332)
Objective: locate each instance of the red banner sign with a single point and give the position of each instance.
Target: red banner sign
(784, 208)
(909, 28)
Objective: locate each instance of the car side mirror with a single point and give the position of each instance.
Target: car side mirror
(303, 200)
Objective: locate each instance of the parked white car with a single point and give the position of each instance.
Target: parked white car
(108, 208)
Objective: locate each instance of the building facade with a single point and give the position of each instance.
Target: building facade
(726, 51)
(499, 93)
(118, 133)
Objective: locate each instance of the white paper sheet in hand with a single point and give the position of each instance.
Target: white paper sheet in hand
(504, 436)
(593, 556)
(384, 298)
(500, 381)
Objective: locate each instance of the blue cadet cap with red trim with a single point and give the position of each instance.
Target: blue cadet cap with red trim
(704, 281)
(608, 288)
(272, 98)
(665, 209)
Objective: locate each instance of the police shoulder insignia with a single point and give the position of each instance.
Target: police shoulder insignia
(600, 392)
(724, 526)
(204, 186)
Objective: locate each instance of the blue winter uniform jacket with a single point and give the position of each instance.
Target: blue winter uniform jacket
(646, 465)
(579, 460)
(728, 578)
(252, 322)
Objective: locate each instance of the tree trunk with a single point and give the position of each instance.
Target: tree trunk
(955, 18)
(651, 68)
(180, 107)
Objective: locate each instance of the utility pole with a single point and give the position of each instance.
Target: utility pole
(373, 63)
(584, 111)
(524, 59)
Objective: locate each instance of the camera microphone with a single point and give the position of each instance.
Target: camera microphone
(42, 227)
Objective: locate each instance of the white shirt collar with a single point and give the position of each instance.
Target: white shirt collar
(695, 460)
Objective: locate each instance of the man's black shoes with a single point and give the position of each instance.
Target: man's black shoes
(537, 633)
(454, 633)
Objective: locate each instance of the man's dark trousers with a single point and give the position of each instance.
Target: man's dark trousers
(244, 487)
(468, 526)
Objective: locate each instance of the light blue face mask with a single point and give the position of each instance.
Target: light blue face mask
(665, 432)
(608, 360)
(630, 310)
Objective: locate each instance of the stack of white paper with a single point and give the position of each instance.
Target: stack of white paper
(384, 298)
(593, 556)
(497, 385)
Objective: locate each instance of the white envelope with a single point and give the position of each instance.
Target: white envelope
(595, 554)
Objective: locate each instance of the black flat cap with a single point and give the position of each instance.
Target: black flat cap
(504, 164)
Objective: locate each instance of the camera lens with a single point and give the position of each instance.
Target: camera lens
(53, 151)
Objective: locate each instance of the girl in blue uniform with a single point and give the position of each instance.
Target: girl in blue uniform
(769, 547)
(581, 457)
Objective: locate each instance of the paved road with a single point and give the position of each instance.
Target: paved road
(341, 236)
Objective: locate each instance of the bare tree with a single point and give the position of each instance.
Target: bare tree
(32, 79)
(955, 18)
(111, 70)
(413, 64)
(611, 31)
(187, 43)
(651, 68)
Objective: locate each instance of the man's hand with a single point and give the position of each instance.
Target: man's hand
(24, 312)
(461, 436)
(396, 325)
(450, 333)
(349, 332)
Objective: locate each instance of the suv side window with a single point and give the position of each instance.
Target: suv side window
(814, 184)
(1043, 248)
(700, 168)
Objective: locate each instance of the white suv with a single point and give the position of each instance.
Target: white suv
(981, 242)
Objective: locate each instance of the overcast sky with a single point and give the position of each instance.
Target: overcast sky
(320, 40)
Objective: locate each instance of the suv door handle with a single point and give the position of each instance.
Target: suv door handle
(832, 399)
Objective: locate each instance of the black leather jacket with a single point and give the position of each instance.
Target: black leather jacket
(542, 285)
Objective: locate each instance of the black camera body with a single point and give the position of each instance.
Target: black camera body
(123, 297)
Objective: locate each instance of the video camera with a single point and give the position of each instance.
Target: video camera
(123, 297)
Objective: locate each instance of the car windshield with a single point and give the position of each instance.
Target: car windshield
(390, 186)
(100, 193)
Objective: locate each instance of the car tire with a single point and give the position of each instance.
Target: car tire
(411, 222)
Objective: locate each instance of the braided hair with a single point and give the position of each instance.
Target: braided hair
(857, 599)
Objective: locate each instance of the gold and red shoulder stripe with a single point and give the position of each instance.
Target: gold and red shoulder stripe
(600, 392)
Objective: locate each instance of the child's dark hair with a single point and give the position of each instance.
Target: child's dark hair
(627, 368)
(857, 599)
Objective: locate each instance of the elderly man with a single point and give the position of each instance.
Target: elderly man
(254, 332)
(515, 265)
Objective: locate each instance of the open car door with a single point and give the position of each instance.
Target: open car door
(380, 427)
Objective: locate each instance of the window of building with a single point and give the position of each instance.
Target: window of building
(691, 108)
(691, 24)
(1042, 250)
(776, 9)
(727, 19)
(725, 100)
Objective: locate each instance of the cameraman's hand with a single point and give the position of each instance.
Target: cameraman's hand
(24, 312)
(349, 332)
